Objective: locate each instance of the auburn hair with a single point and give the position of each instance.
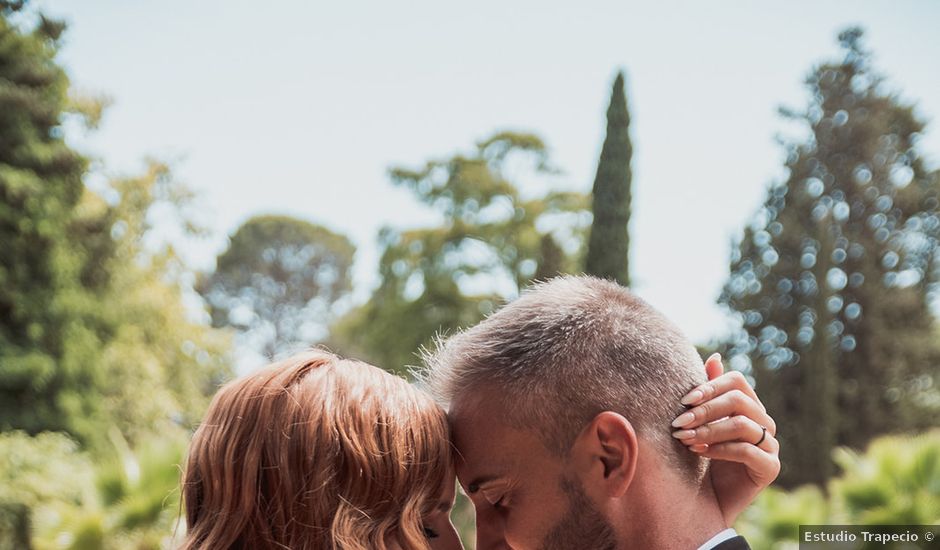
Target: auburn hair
(315, 452)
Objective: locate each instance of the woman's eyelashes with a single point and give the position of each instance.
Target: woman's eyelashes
(430, 533)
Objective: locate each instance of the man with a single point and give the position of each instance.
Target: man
(563, 406)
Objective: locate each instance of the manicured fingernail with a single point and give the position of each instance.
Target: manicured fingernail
(714, 356)
(699, 448)
(684, 434)
(683, 420)
(693, 397)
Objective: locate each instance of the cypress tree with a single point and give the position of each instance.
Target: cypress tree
(608, 253)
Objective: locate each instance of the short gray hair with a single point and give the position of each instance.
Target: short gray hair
(568, 349)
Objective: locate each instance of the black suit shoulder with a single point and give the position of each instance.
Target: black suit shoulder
(737, 543)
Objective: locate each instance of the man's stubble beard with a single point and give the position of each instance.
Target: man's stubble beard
(583, 527)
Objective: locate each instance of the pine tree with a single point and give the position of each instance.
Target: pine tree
(831, 279)
(608, 253)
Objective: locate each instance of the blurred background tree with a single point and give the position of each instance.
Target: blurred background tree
(90, 317)
(42, 298)
(34, 472)
(96, 343)
(492, 241)
(608, 251)
(53, 495)
(278, 282)
(156, 365)
(833, 278)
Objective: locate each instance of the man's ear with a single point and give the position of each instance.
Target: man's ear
(606, 453)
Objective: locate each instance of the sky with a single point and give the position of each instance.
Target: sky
(300, 107)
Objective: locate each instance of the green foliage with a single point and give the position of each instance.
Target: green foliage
(493, 240)
(40, 468)
(151, 369)
(158, 366)
(774, 519)
(276, 276)
(895, 482)
(33, 472)
(120, 498)
(41, 296)
(90, 108)
(608, 254)
(97, 351)
(832, 278)
(93, 331)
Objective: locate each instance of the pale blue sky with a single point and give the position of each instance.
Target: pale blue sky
(300, 107)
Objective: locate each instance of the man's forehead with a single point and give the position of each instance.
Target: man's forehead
(481, 399)
(470, 400)
(489, 448)
(473, 427)
(482, 440)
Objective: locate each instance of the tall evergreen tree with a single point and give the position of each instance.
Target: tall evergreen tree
(93, 330)
(608, 252)
(40, 188)
(833, 277)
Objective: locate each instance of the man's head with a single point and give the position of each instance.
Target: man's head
(565, 396)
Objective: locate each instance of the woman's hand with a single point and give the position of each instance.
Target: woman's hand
(727, 422)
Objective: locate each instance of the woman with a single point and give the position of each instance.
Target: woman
(321, 452)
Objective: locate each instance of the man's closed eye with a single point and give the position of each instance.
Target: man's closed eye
(499, 503)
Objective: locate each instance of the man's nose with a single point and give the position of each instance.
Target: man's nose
(490, 534)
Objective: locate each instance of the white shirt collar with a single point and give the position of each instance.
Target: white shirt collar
(728, 533)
